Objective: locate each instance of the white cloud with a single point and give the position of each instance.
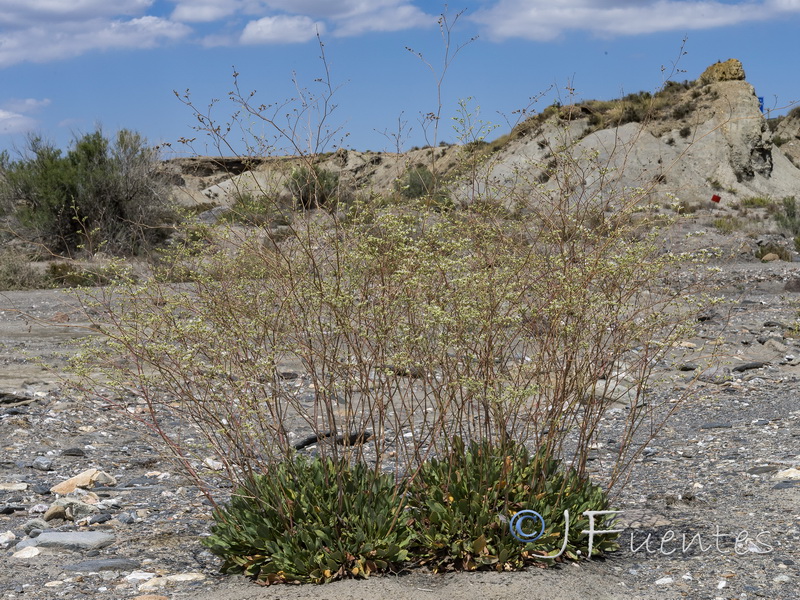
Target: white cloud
(26, 105)
(281, 30)
(11, 122)
(350, 17)
(547, 19)
(48, 30)
(383, 18)
(203, 11)
(14, 117)
(44, 43)
(30, 12)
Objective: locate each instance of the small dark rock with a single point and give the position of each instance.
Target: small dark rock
(288, 375)
(793, 285)
(33, 525)
(107, 564)
(42, 463)
(785, 485)
(687, 367)
(762, 469)
(73, 452)
(8, 509)
(41, 489)
(774, 324)
(756, 364)
(716, 425)
(708, 315)
(101, 518)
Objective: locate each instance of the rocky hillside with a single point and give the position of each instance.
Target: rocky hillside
(691, 140)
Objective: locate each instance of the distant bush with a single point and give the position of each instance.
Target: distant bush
(256, 209)
(419, 182)
(416, 182)
(70, 275)
(100, 195)
(685, 131)
(788, 215)
(16, 272)
(679, 112)
(756, 202)
(314, 187)
(771, 248)
(727, 224)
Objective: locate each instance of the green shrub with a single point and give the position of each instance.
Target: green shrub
(771, 248)
(756, 202)
(16, 272)
(681, 111)
(100, 195)
(727, 224)
(312, 520)
(463, 502)
(69, 274)
(255, 209)
(419, 182)
(416, 182)
(788, 216)
(317, 520)
(314, 187)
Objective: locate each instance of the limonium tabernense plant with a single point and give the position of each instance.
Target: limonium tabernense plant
(457, 358)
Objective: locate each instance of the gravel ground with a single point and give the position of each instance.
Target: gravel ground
(712, 509)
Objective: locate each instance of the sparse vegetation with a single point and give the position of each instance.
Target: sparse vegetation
(461, 363)
(16, 272)
(756, 202)
(452, 296)
(788, 215)
(727, 224)
(781, 252)
(102, 195)
(314, 187)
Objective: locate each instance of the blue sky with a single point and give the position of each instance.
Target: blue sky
(69, 65)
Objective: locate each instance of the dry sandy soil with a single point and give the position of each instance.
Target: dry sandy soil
(727, 463)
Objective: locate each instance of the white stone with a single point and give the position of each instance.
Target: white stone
(214, 464)
(139, 576)
(788, 474)
(28, 552)
(186, 577)
(14, 487)
(664, 581)
(6, 539)
(156, 583)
